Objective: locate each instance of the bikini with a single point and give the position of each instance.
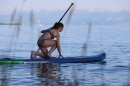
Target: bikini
(40, 42)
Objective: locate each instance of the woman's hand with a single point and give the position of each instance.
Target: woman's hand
(61, 56)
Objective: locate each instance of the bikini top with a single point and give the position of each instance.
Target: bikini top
(51, 34)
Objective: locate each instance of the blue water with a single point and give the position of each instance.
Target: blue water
(113, 71)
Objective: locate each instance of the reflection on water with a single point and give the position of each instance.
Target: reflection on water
(50, 74)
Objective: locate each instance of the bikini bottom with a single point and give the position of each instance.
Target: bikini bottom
(40, 42)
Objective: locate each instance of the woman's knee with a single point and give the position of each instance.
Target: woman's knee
(54, 42)
(49, 43)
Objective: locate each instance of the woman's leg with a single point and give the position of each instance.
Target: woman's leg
(43, 54)
(49, 43)
(44, 51)
(33, 53)
(51, 50)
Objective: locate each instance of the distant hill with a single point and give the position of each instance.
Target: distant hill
(79, 17)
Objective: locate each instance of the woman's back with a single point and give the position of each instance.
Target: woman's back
(48, 34)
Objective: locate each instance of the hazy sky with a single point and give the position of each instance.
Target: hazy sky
(113, 5)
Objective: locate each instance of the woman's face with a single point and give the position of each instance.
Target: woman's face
(61, 28)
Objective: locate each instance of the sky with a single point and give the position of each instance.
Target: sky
(26, 5)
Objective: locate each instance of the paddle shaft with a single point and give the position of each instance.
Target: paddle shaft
(66, 12)
(59, 21)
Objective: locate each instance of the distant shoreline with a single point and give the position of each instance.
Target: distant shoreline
(11, 24)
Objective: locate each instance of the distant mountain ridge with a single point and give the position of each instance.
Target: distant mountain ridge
(97, 16)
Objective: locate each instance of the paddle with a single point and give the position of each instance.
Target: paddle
(59, 21)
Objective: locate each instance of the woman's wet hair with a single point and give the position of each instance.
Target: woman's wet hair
(57, 25)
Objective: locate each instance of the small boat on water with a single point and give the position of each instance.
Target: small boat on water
(39, 23)
(77, 59)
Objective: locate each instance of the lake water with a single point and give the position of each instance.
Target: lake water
(18, 42)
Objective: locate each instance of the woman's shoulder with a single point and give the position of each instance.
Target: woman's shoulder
(55, 32)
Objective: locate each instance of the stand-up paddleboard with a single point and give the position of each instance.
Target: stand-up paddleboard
(77, 59)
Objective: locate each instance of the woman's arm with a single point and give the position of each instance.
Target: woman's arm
(58, 44)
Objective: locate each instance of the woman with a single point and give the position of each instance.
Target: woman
(45, 40)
